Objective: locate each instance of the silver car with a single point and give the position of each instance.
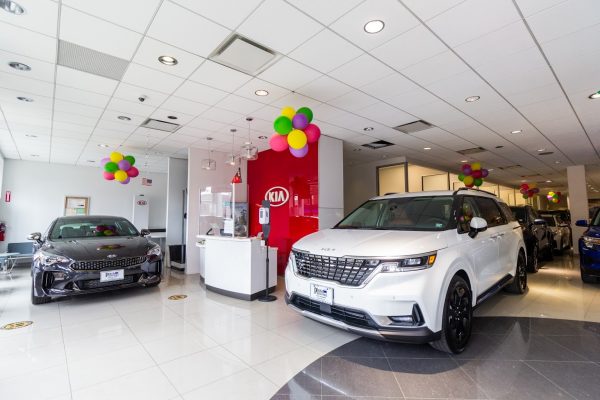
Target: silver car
(561, 235)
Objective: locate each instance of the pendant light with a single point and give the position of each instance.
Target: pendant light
(231, 158)
(249, 151)
(209, 164)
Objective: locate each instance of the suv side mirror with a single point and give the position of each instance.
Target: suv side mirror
(145, 232)
(477, 225)
(582, 222)
(37, 236)
(539, 221)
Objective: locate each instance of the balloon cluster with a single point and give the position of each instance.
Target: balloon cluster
(294, 131)
(106, 230)
(529, 190)
(553, 197)
(119, 168)
(473, 174)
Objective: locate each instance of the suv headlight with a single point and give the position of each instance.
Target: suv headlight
(292, 262)
(49, 259)
(154, 252)
(408, 264)
(590, 242)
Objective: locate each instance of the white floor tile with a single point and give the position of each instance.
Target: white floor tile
(179, 345)
(246, 385)
(281, 369)
(49, 383)
(306, 331)
(36, 359)
(29, 340)
(260, 348)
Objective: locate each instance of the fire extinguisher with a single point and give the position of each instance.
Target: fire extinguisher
(2, 230)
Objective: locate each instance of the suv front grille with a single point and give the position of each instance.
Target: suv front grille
(346, 271)
(347, 315)
(101, 264)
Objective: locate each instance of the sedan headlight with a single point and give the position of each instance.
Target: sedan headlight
(590, 242)
(154, 252)
(49, 259)
(408, 264)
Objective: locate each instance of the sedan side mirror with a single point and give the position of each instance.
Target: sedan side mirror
(539, 221)
(145, 232)
(582, 222)
(477, 225)
(37, 236)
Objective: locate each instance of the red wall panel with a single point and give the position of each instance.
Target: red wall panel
(298, 216)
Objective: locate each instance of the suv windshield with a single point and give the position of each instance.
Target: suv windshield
(88, 227)
(596, 220)
(519, 213)
(423, 213)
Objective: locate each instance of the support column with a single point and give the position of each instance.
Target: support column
(578, 200)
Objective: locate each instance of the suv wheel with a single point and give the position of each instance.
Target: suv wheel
(519, 282)
(549, 253)
(457, 318)
(533, 264)
(35, 300)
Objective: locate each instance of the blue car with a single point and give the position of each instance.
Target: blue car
(589, 249)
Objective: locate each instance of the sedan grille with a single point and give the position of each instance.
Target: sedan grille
(95, 283)
(101, 264)
(346, 271)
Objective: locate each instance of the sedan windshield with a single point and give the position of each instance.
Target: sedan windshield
(549, 219)
(88, 227)
(426, 213)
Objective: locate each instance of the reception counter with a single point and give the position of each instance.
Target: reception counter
(236, 266)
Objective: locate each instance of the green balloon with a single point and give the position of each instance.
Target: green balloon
(131, 159)
(111, 167)
(478, 182)
(461, 177)
(306, 111)
(283, 125)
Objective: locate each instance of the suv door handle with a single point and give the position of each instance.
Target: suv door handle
(497, 235)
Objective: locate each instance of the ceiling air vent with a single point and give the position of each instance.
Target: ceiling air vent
(378, 144)
(509, 167)
(470, 151)
(413, 127)
(545, 153)
(160, 125)
(91, 61)
(244, 55)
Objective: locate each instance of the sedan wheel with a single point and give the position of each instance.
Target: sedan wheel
(533, 263)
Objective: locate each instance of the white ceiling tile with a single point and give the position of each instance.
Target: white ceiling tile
(177, 26)
(39, 69)
(75, 108)
(471, 19)
(563, 19)
(278, 25)
(94, 33)
(386, 115)
(110, 122)
(324, 89)
(353, 101)
(177, 104)
(209, 124)
(132, 14)
(74, 119)
(289, 74)
(326, 51)
(396, 18)
(27, 43)
(354, 73)
(84, 81)
(150, 78)
(151, 49)
(429, 9)
(529, 96)
(27, 87)
(200, 93)
(268, 112)
(58, 126)
(81, 96)
(416, 45)
(39, 16)
(325, 11)
(436, 68)
(219, 76)
(239, 104)
(226, 12)
(128, 108)
(294, 100)
(530, 7)
(218, 115)
(248, 90)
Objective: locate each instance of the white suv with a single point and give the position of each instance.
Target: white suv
(409, 267)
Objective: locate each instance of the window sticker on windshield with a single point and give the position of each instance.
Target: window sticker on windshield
(438, 225)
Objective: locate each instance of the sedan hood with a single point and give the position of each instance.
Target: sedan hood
(593, 231)
(99, 248)
(371, 243)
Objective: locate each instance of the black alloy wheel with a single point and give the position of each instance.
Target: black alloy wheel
(519, 282)
(457, 318)
(533, 264)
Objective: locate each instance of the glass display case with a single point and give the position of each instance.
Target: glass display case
(224, 210)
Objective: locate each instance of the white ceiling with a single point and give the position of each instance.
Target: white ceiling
(533, 62)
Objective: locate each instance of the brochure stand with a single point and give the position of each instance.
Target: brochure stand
(264, 219)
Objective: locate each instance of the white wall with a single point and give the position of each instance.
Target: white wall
(177, 177)
(1, 177)
(331, 181)
(39, 190)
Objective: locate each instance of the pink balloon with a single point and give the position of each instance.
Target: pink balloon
(299, 153)
(124, 165)
(126, 181)
(278, 142)
(299, 121)
(104, 161)
(132, 172)
(313, 133)
(109, 176)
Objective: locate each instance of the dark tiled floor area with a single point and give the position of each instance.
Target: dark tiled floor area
(513, 358)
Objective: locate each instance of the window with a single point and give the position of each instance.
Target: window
(468, 210)
(508, 213)
(87, 227)
(490, 211)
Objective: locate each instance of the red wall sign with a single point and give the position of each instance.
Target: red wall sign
(292, 186)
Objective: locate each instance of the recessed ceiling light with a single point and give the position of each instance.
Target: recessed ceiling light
(261, 92)
(262, 137)
(11, 7)
(490, 169)
(540, 150)
(548, 181)
(30, 135)
(171, 117)
(426, 148)
(517, 131)
(594, 96)
(556, 162)
(19, 66)
(168, 60)
(103, 145)
(464, 161)
(25, 99)
(374, 26)
(368, 129)
(124, 118)
(471, 99)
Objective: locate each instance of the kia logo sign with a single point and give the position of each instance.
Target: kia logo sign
(277, 196)
(142, 202)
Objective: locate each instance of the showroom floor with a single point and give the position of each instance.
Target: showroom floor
(140, 344)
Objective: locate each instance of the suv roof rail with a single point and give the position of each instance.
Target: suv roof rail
(476, 190)
(389, 193)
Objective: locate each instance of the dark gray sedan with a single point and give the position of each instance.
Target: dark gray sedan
(88, 254)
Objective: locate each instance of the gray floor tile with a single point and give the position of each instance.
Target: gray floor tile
(547, 326)
(361, 347)
(586, 346)
(305, 383)
(500, 325)
(401, 350)
(579, 379)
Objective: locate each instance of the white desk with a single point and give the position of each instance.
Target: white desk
(235, 267)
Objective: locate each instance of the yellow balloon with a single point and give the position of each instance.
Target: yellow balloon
(467, 181)
(550, 194)
(475, 166)
(115, 156)
(297, 139)
(288, 112)
(120, 176)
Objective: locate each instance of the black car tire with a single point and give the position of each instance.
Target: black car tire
(519, 282)
(588, 278)
(35, 300)
(533, 263)
(457, 318)
(549, 253)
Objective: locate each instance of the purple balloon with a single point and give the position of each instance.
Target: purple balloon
(126, 181)
(124, 165)
(104, 161)
(299, 153)
(300, 121)
(467, 170)
(485, 173)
